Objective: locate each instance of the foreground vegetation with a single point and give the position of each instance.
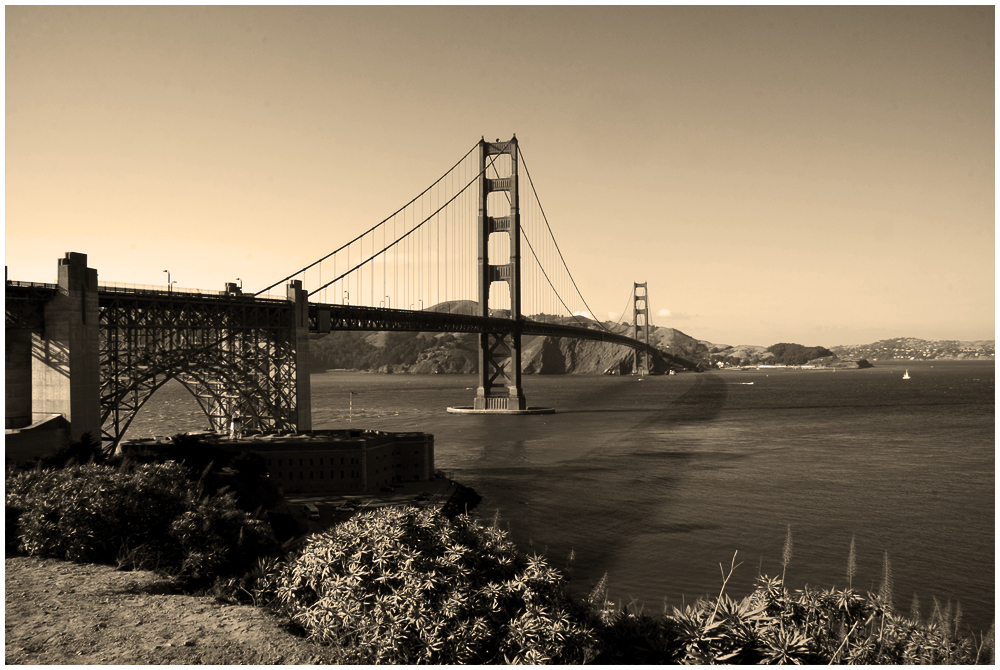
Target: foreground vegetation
(405, 585)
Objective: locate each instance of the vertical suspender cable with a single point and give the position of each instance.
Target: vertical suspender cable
(385, 288)
(437, 263)
(264, 290)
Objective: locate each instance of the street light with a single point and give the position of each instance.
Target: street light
(388, 302)
(347, 298)
(241, 283)
(169, 283)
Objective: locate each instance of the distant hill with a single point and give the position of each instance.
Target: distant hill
(911, 348)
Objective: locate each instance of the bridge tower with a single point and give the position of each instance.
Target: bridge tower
(640, 327)
(499, 353)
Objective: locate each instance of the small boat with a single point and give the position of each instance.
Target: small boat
(906, 375)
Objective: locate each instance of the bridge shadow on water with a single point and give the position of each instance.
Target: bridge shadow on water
(702, 402)
(619, 494)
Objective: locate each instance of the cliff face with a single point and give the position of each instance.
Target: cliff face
(549, 355)
(457, 356)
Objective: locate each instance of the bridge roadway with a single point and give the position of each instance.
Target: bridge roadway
(324, 318)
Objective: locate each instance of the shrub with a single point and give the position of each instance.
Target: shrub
(138, 516)
(86, 512)
(406, 585)
(217, 539)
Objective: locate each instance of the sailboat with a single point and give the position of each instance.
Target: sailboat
(906, 375)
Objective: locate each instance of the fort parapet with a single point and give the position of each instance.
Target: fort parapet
(326, 461)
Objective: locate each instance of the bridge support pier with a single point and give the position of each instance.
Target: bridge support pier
(500, 373)
(65, 353)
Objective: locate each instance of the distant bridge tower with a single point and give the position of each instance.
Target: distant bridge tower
(640, 327)
(499, 353)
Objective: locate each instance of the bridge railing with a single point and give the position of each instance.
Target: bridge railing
(119, 287)
(153, 288)
(30, 284)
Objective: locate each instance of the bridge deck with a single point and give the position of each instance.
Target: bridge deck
(324, 318)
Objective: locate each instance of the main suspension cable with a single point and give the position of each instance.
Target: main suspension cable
(411, 231)
(370, 229)
(630, 299)
(546, 219)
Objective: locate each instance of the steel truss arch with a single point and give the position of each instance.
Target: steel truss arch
(220, 389)
(235, 355)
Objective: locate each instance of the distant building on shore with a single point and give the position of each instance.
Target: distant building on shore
(328, 461)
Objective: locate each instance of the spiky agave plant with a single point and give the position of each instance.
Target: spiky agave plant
(787, 647)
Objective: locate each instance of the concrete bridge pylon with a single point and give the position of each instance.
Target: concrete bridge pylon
(65, 354)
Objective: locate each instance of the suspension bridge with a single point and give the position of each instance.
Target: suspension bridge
(472, 253)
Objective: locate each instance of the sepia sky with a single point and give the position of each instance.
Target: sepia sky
(820, 175)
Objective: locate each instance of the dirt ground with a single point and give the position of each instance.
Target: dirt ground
(69, 613)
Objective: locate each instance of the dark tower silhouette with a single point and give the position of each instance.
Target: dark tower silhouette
(499, 353)
(640, 327)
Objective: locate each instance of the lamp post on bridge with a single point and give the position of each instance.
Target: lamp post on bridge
(170, 284)
(388, 302)
(347, 298)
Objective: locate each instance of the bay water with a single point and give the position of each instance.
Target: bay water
(663, 483)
